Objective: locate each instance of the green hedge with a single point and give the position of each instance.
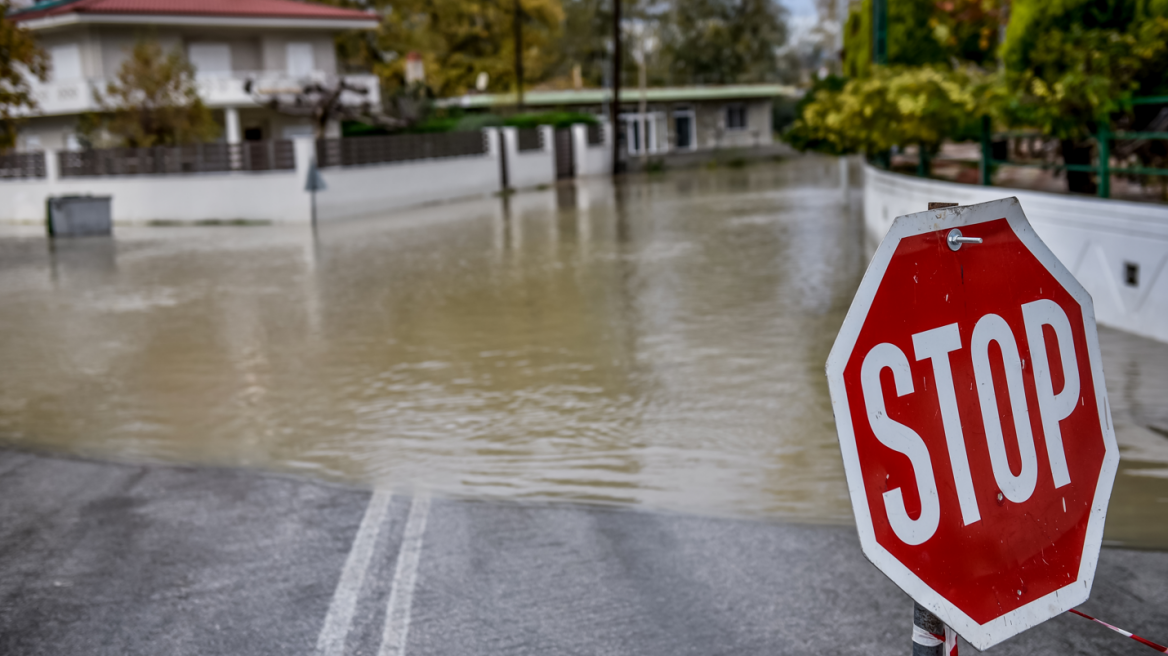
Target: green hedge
(452, 121)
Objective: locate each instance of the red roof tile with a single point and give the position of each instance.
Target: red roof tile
(220, 8)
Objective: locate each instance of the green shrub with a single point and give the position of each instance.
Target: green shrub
(893, 106)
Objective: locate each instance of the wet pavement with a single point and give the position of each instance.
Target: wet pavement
(121, 559)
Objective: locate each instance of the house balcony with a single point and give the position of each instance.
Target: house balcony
(66, 97)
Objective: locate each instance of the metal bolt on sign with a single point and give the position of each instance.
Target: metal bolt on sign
(973, 421)
(955, 240)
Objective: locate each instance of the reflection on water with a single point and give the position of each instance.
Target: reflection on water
(658, 343)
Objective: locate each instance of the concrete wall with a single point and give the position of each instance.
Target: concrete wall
(275, 196)
(1094, 238)
(279, 196)
(532, 168)
(370, 190)
(592, 160)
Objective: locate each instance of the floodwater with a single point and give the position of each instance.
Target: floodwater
(659, 343)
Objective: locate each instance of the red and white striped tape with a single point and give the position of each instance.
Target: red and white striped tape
(1160, 648)
(929, 639)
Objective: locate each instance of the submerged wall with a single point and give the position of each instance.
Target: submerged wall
(280, 196)
(1096, 239)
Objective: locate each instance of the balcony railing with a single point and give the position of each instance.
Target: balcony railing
(228, 90)
(64, 97)
(356, 151)
(171, 160)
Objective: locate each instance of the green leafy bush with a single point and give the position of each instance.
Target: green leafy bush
(1064, 79)
(892, 106)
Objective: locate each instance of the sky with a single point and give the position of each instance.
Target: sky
(800, 8)
(802, 17)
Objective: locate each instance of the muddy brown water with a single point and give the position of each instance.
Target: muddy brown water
(658, 343)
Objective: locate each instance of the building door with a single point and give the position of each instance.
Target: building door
(683, 129)
(635, 140)
(565, 160)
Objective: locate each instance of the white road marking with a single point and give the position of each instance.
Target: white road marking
(401, 595)
(331, 641)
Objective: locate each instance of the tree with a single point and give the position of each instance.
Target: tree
(19, 57)
(1076, 77)
(894, 106)
(925, 33)
(586, 40)
(153, 101)
(1070, 65)
(323, 103)
(723, 41)
(459, 39)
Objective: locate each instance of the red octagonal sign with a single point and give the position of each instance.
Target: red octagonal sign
(968, 394)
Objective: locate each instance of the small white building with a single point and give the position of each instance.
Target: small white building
(275, 44)
(677, 120)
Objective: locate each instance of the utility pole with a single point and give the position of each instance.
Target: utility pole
(642, 123)
(642, 108)
(841, 16)
(614, 110)
(518, 56)
(880, 32)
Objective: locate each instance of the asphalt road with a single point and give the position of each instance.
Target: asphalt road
(100, 558)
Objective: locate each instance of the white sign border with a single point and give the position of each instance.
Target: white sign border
(981, 636)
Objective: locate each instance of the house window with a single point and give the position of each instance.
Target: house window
(301, 62)
(210, 59)
(735, 117)
(66, 62)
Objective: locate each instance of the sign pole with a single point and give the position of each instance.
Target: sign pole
(313, 184)
(614, 111)
(929, 632)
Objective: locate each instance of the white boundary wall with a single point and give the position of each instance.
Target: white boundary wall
(358, 191)
(592, 160)
(279, 196)
(1094, 238)
(275, 196)
(532, 168)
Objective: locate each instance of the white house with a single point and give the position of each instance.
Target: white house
(676, 120)
(276, 44)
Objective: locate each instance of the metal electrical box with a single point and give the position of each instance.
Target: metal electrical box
(79, 216)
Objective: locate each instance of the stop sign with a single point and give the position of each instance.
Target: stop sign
(968, 393)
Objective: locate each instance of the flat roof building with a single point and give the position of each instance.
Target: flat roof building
(676, 119)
